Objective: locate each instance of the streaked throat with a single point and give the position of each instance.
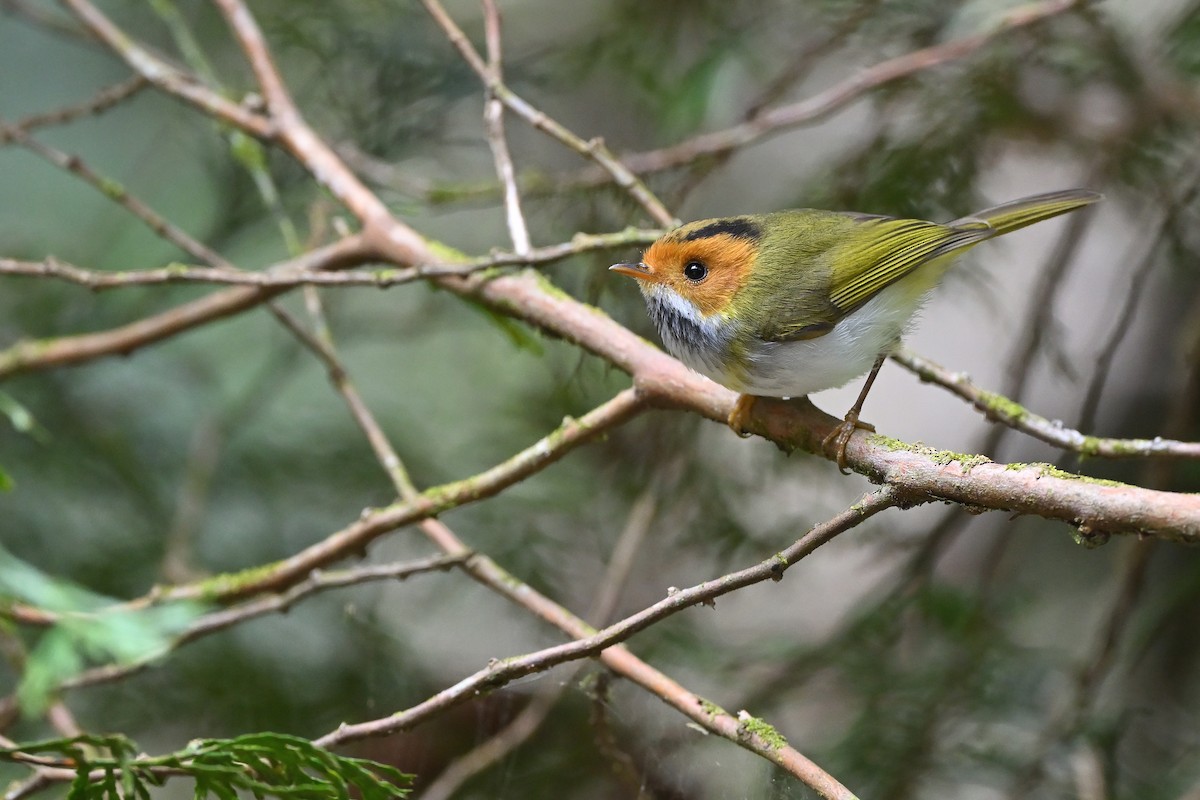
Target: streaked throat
(702, 342)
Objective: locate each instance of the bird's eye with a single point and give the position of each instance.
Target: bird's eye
(695, 271)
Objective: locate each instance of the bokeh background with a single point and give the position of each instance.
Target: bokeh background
(929, 653)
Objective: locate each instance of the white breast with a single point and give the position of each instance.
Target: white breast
(793, 369)
(787, 369)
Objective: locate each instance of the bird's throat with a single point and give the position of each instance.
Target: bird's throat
(702, 342)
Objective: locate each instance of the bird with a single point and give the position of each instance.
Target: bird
(793, 302)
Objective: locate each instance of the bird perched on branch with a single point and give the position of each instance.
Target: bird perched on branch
(790, 303)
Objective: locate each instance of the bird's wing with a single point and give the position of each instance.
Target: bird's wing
(884, 251)
(878, 252)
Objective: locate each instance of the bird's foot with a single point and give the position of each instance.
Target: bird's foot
(839, 437)
(741, 414)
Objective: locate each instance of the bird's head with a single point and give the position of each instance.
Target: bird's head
(705, 263)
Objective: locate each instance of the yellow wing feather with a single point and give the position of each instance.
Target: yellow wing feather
(886, 250)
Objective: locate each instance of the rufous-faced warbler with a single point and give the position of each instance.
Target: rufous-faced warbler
(790, 303)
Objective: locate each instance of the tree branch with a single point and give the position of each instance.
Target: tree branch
(40, 354)
(1001, 409)
(315, 582)
(102, 101)
(288, 278)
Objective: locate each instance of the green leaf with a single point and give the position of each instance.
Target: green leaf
(54, 659)
(91, 627)
(21, 419)
(265, 765)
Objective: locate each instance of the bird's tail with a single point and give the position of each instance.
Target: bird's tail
(1018, 213)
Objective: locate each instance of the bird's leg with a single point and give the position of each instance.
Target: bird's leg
(741, 413)
(840, 436)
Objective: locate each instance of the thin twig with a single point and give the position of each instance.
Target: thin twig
(495, 747)
(119, 195)
(102, 101)
(1121, 325)
(298, 138)
(593, 149)
(289, 278)
(315, 582)
(1001, 409)
(41, 354)
(322, 347)
(493, 116)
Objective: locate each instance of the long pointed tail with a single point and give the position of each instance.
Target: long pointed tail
(1026, 211)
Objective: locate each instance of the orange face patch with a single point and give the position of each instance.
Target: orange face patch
(728, 260)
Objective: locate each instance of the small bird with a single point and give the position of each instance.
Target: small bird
(793, 302)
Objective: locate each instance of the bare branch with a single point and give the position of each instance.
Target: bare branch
(290, 278)
(493, 117)
(103, 100)
(1096, 507)
(26, 356)
(593, 149)
(118, 194)
(315, 582)
(279, 102)
(1001, 409)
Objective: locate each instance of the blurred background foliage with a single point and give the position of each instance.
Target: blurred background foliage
(927, 654)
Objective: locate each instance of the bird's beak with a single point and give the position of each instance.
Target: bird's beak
(640, 270)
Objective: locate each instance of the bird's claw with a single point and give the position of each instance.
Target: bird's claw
(839, 437)
(740, 414)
